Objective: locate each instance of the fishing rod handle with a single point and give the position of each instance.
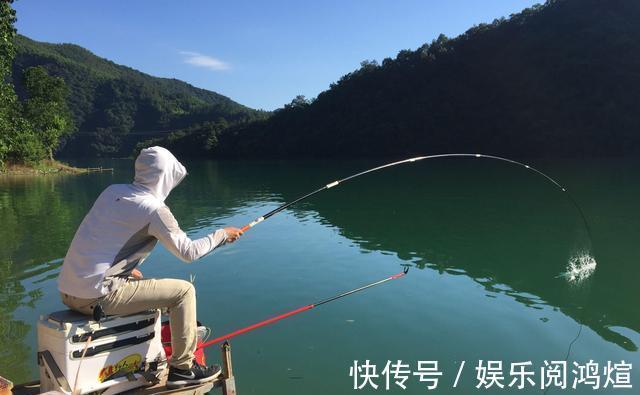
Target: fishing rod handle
(252, 224)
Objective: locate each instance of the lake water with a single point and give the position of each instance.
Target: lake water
(487, 243)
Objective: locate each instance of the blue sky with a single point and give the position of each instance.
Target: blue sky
(260, 53)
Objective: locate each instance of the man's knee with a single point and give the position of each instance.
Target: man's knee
(187, 290)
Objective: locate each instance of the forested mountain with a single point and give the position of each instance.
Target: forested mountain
(115, 106)
(559, 79)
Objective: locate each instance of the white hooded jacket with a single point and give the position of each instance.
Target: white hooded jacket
(124, 225)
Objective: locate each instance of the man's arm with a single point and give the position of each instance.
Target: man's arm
(165, 228)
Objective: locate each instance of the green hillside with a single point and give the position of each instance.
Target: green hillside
(115, 106)
(559, 79)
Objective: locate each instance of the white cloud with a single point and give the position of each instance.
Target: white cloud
(200, 60)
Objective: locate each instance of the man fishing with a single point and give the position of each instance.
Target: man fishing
(100, 272)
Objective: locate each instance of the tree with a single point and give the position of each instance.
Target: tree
(46, 107)
(298, 102)
(367, 65)
(18, 140)
(8, 98)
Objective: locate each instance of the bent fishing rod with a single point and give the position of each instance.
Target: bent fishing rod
(416, 159)
(299, 310)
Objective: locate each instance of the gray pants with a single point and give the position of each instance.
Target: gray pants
(134, 296)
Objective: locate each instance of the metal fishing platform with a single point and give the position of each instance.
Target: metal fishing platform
(225, 382)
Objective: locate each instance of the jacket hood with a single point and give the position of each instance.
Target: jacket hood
(158, 171)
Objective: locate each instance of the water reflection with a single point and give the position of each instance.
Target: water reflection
(511, 233)
(34, 217)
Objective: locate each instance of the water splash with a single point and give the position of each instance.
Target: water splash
(581, 266)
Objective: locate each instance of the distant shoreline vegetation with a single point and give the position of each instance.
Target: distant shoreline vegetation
(555, 80)
(44, 167)
(31, 127)
(115, 107)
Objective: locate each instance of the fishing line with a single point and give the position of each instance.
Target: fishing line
(419, 158)
(573, 341)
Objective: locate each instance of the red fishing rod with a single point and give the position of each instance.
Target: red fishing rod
(298, 310)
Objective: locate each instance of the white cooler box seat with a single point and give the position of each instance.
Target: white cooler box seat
(124, 352)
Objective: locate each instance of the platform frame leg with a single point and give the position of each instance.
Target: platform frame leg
(229, 382)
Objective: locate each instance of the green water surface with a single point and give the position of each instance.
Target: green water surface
(487, 244)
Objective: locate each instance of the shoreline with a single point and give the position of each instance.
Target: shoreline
(44, 168)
